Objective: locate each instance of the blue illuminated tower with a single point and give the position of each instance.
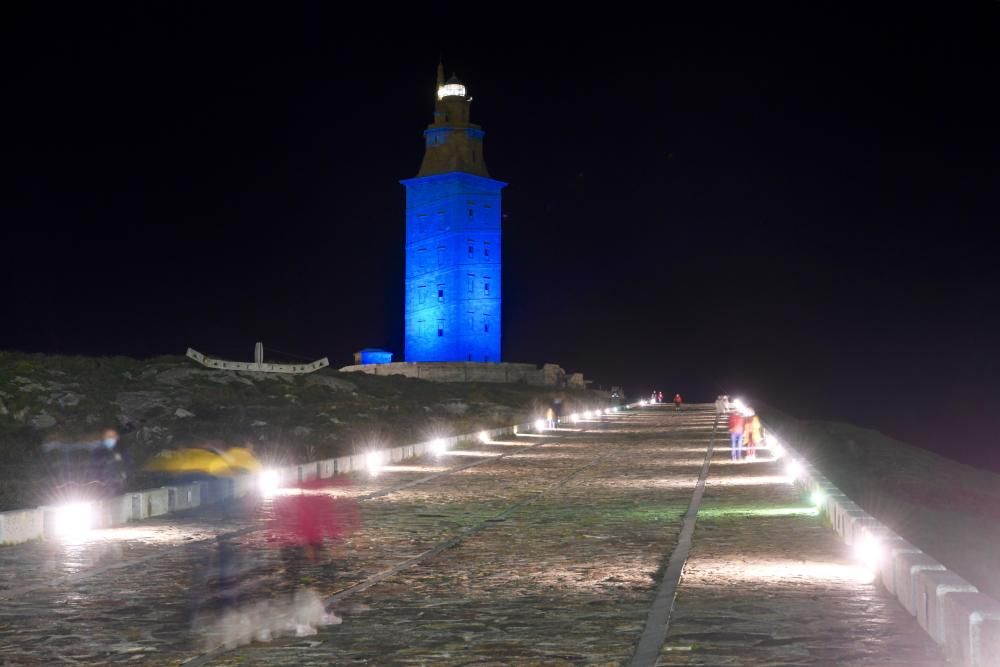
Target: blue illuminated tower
(452, 240)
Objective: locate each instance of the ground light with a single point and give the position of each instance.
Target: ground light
(539, 425)
(575, 418)
(73, 520)
(268, 482)
(484, 437)
(868, 551)
(817, 498)
(438, 446)
(588, 414)
(373, 462)
(793, 470)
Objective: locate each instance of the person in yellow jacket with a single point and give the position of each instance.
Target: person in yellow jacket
(752, 435)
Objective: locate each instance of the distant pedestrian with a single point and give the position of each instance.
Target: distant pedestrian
(659, 397)
(736, 435)
(550, 418)
(677, 401)
(756, 436)
(721, 405)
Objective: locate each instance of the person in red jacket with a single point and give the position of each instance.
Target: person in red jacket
(736, 435)
(677, 401)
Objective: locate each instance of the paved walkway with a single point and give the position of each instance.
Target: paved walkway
(549, 552)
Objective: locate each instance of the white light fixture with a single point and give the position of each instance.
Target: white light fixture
(575, 418)
(484, 437)
(373, 461)
(268, 482)
(539, 425)
(73, 520)
(868, 550)
(438, 446)
(793, 470)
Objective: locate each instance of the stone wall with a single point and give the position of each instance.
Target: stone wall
(548, 375)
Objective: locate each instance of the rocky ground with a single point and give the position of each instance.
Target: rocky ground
(173, 402)
(950, 510)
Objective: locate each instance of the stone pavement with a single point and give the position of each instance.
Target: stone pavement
(554, 552)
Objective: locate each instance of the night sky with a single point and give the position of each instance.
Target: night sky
(797, 207)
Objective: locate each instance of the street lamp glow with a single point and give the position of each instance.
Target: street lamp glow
(539, 425)
(587, 414)
(575, 418)
(268, 482)
(73, 520)
(817, 498)
(484, 437)
(794, 470)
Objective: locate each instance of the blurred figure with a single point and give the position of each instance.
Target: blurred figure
(736, 435)
(104, 471)
(107, 466)
(303, 522)
(721, 405)
(550, 418)
(659, 397)
(677, 401)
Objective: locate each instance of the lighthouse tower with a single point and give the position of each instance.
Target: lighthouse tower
(453, 240)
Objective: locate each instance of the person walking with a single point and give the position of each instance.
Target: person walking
(550, 418)
(756, 436)
(736, 435)
(677, 401)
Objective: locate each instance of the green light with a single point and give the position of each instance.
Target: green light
(722, 512)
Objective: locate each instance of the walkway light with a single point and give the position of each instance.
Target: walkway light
(587, 414)
(484, 437)
(793, 470)
(575, 418)
(373, 461)
(539, 425)
(268, 482)
(817, 498)
(73, 520)
(868, 550)
(438, 446)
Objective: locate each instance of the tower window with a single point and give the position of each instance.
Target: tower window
(422, 295)
(486, 287)
(472, 284)
(486, 249)
(486, 326)
(470, 212)
(440, 294)
(440, 332)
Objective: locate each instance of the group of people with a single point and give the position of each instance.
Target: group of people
(745, 430)
(657, 397)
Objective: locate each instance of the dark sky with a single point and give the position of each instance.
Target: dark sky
(799, 206)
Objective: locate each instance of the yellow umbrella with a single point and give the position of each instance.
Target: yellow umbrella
(190, 460)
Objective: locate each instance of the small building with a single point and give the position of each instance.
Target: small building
(372, 355)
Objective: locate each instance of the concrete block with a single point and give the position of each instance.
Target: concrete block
(156, 501)
(932, 587)
(326, 468)
(396, 454)
(907, 567)
(21, 526)
(342, 465)
(894, 546)
(419, 449)
(851, 522)
(186, 496)
(358, 463)
(971, 628)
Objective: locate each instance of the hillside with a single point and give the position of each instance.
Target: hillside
(173, 402)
